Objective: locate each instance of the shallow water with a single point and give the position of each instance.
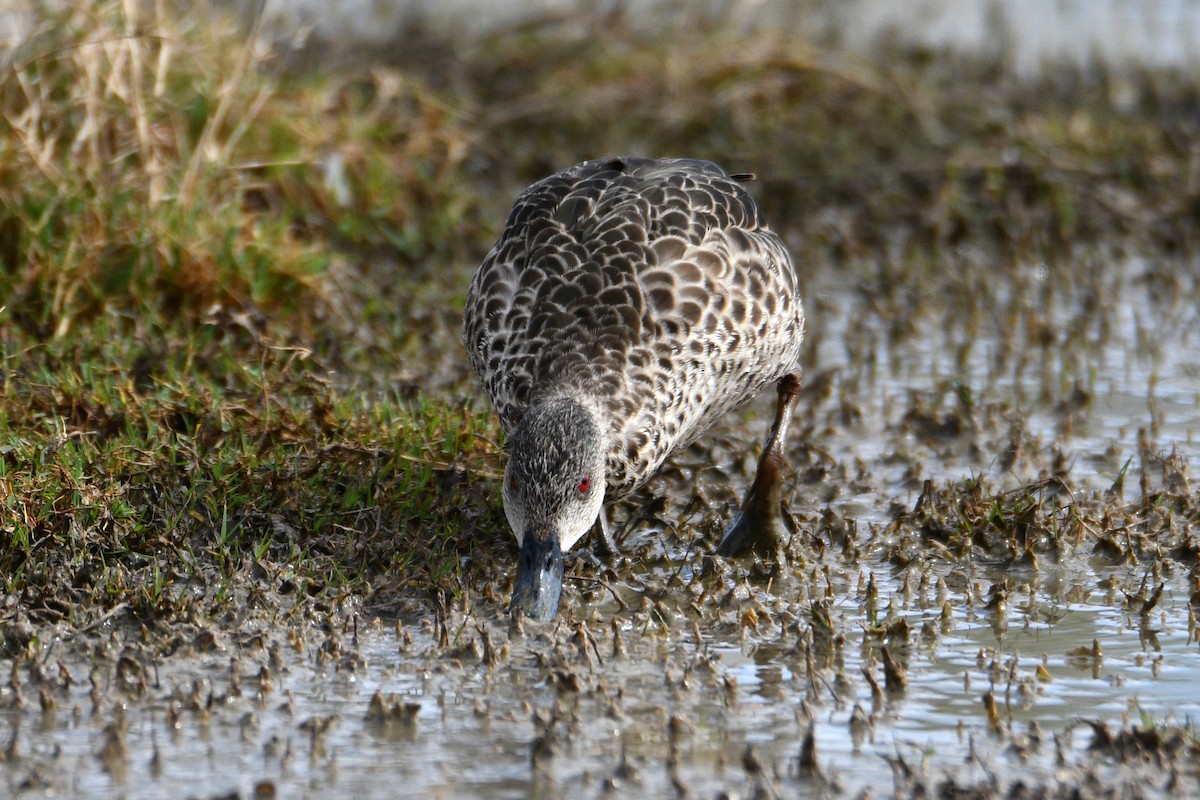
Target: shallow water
(663, 712)
(475, 731)
(1028, 33)
(1128, 337)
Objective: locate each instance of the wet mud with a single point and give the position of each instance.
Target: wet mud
(993, 592)
(994, 584)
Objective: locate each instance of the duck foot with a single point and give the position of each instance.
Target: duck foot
(762, 525)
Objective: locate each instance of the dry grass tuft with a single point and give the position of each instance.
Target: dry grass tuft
(159, 163)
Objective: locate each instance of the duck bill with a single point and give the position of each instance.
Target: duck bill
(538, 586)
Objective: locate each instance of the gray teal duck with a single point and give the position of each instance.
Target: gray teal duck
(628, 304)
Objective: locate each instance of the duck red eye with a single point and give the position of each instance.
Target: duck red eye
(512, 482)
(585, 483)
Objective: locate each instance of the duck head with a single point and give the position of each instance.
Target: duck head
(553, 492)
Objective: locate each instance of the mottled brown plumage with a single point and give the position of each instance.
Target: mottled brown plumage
(649, 293)
(653, 286)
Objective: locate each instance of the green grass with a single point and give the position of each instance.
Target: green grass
(121, 483)
(230, 285)
(192, 242)
(160, 167)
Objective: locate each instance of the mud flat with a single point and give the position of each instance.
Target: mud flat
(252, 543)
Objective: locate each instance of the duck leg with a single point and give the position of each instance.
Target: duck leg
(761, 525)
(606, 545)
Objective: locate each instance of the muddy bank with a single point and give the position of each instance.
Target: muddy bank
(253, 544)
